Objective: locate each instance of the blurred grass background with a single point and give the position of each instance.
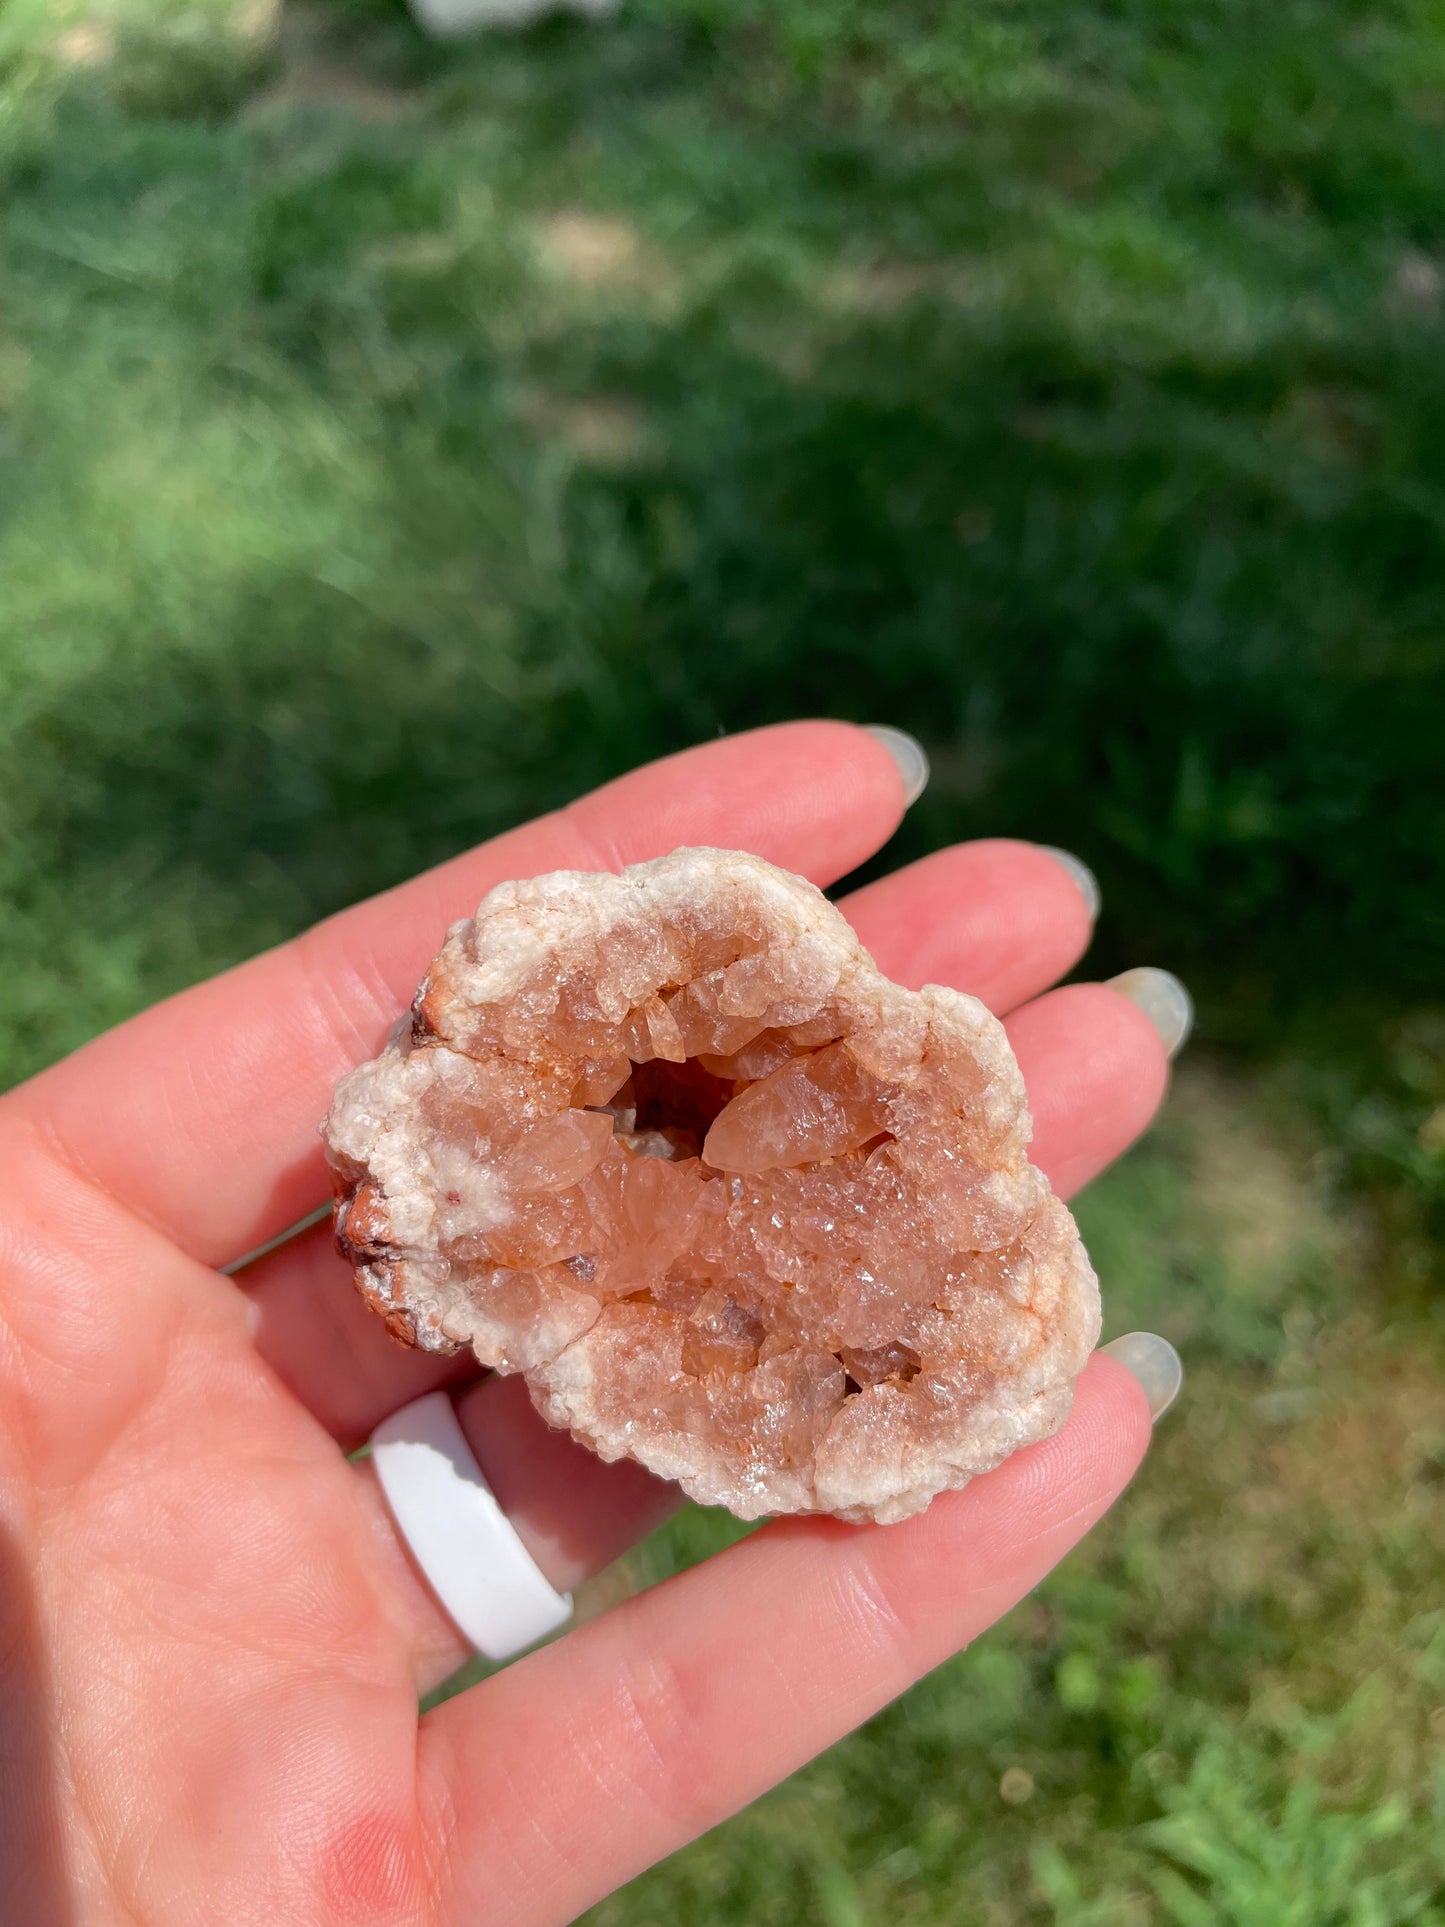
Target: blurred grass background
(395, 440)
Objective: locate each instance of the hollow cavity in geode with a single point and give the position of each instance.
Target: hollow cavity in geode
(739, 1207)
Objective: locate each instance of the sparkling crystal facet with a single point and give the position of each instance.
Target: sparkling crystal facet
(739, 1207)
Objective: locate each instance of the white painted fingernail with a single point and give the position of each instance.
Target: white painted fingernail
(1163, 1000)
(908, 753)
(1084, 879)
(1154, 1362)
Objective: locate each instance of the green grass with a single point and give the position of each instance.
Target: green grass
(396, 439)
(432, 431)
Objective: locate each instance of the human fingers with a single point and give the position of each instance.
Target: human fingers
(1003, 916)
(557, 1780)
(1095, 1077)
(1095, 1068)
(998, 918)
(574, 1514)
(200, 1115)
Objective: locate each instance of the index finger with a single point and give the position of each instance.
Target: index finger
(201, 1115)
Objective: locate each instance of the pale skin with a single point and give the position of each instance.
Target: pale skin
(211, 1641)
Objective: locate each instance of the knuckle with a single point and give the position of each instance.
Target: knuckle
(352, 1002)
(878, 1630)
(662, 1765)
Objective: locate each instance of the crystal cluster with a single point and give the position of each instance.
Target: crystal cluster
(739, 1207)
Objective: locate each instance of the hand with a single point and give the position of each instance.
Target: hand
(212, 1641)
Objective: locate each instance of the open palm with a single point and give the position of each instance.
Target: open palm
(211, 1641)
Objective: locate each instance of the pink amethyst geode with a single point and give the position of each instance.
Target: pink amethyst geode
(737, 1206)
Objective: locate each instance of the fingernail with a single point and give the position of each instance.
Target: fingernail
(908, 753)
(1163, 1000)
(1085, 880)
(1154, 1362)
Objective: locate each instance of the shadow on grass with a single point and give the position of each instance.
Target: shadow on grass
(1106, 638)
(306, 480)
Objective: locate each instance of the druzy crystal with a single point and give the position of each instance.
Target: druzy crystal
(737, 1206)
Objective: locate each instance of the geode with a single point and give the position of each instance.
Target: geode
(737, 1206)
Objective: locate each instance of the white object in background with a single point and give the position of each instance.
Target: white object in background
(446, 19)
(458, 1534)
